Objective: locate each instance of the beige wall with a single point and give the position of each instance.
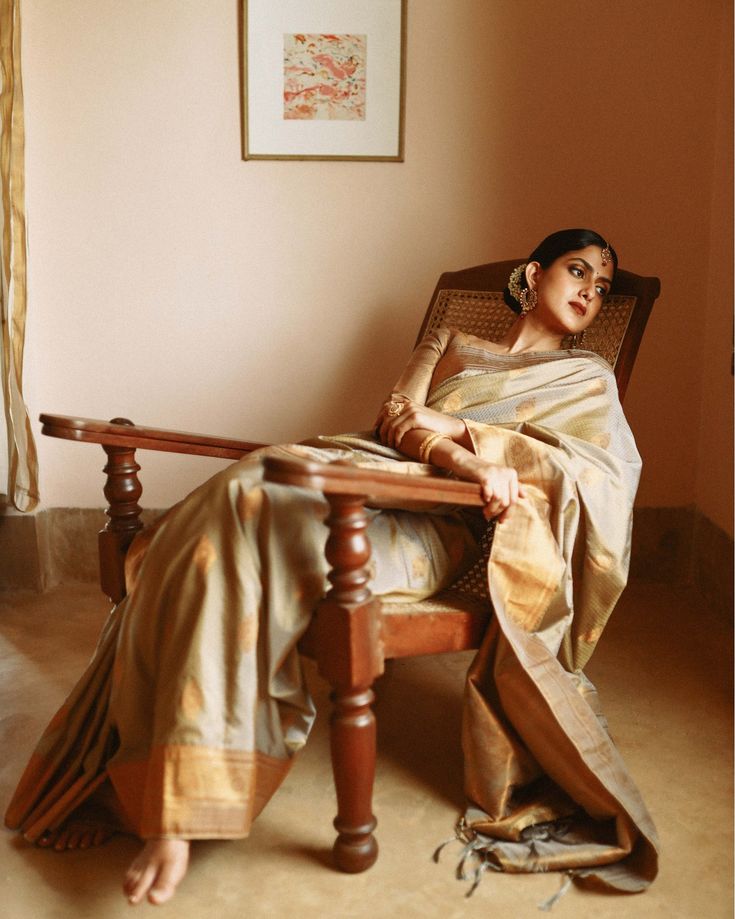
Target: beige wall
(174, 283)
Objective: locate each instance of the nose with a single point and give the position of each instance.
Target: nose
(588, 290)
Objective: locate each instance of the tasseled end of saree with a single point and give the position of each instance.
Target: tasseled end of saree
(479, 855)
(473, 848)
(547, 905)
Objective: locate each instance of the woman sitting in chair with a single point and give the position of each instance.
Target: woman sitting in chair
(193, 706)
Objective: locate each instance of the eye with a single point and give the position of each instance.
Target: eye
(602, 291)
(576, 271)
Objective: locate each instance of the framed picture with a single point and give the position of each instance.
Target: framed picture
(323, 79)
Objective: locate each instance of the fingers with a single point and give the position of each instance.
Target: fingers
(395, 420)
(500, 491)
(400, 428)
(387, 419)
(401, 415)
(519, 493)
(513, 489)
(494, 508)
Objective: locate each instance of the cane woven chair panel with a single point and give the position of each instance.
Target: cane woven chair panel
(451, 600)
(486, 314)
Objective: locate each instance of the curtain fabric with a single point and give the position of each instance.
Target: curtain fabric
(22, 487)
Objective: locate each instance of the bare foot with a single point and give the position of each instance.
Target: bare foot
(77, 834)
(91, 824)
(157, 871)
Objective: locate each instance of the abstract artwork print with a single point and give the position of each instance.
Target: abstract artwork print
(324, 77)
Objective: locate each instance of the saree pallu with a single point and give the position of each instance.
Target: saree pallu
(194, 703)
(547, 788)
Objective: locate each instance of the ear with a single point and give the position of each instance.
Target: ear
(533, 272)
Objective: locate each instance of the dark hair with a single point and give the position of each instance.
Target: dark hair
(556, 245)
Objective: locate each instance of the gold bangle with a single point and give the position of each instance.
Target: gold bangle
(423, 445)
(427, 444)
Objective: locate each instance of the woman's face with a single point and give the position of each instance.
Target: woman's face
(571, 290)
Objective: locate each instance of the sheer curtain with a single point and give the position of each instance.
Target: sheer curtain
(22, 461)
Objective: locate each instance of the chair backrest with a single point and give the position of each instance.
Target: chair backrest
(471, 300)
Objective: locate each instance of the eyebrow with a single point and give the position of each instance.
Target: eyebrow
(589, 267)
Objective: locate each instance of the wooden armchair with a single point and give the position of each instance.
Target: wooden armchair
(352, 633)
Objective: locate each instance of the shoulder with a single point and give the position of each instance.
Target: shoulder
(593, 359)
(459, 339)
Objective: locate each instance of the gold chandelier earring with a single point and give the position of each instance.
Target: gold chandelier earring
(529, 300)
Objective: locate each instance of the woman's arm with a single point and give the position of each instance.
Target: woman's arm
(500, 486)
(400, 416)
(405, 423)
(405, 408)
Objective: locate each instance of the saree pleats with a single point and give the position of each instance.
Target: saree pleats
(70, 759)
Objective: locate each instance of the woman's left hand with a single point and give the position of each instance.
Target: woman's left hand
(400, 415)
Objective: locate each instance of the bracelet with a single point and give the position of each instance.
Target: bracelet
(427, 445)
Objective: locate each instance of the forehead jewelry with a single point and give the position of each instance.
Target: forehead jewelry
(606, 255)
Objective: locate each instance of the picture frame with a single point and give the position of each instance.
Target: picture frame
(323, 79)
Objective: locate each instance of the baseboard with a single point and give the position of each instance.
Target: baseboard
(663, 544)
(677, 545)
(55, 546)
(712, 564)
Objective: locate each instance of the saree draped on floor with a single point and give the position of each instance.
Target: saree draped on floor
(194, 703)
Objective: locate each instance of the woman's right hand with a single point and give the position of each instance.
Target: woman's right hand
(500, 486)
(399, 416)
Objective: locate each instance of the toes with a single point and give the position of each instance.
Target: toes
(157, 871)
(73, 840)
(85, 839)
(132, 875)
(169, 877)
(161, 893)
(139, 883)
(61, 840)
(76, 835)
(101, 835)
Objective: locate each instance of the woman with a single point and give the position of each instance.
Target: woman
(189, 715)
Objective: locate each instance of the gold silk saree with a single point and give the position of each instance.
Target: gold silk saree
(194, 702)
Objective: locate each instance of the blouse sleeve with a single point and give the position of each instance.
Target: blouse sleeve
(415, 381)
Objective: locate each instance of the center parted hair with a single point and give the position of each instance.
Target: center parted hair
(553, 247)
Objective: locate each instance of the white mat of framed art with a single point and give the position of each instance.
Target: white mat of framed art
(323, 79)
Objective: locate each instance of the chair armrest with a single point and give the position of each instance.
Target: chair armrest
(372, 484)
(121, 433)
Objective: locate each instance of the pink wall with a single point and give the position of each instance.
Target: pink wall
(174, 283)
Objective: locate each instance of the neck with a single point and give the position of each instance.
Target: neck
(528, 335)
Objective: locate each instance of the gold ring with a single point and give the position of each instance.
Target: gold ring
(395, 408)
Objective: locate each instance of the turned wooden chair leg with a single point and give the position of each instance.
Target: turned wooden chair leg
(350, 658)
(122, 490)
(353, 746)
